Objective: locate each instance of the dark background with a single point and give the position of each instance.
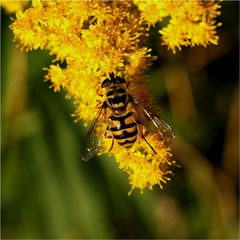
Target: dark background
(48, 192)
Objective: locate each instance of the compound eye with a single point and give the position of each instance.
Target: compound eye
(106, 83)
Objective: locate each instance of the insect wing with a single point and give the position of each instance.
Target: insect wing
(92, 144)
(151, 121)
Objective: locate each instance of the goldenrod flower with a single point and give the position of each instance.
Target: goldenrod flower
(13, 6)
(191, 22)
(95, 38)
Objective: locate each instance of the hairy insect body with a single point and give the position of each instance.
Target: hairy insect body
(121, 122)
(126, 119)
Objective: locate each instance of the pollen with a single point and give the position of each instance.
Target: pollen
(95, 38)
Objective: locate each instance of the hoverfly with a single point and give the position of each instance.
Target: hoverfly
(123, 126)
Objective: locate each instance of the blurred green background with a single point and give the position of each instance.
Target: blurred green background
(48, 192)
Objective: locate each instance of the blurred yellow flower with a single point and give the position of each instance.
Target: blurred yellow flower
(13, 6)
(95, 38)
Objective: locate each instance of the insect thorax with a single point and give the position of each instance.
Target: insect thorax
(116, 97)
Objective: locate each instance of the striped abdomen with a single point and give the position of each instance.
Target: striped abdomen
(124, 129)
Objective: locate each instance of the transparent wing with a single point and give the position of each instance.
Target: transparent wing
(92, 144)
(151, 121)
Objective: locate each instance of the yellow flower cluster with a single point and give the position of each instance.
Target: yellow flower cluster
(190, 22)
(93, 39)
(13, 6)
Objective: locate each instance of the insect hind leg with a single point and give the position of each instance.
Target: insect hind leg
(111, 145)
(148, 144)
(140, 128)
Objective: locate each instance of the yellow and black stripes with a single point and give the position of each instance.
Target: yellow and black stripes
(117, 97)
(124, 129)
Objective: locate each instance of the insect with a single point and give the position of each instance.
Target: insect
(128, 119)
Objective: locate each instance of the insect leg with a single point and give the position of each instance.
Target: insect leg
(141, 131)
(148, 144)
(108, 129)
(111, 145)
(108, 133)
